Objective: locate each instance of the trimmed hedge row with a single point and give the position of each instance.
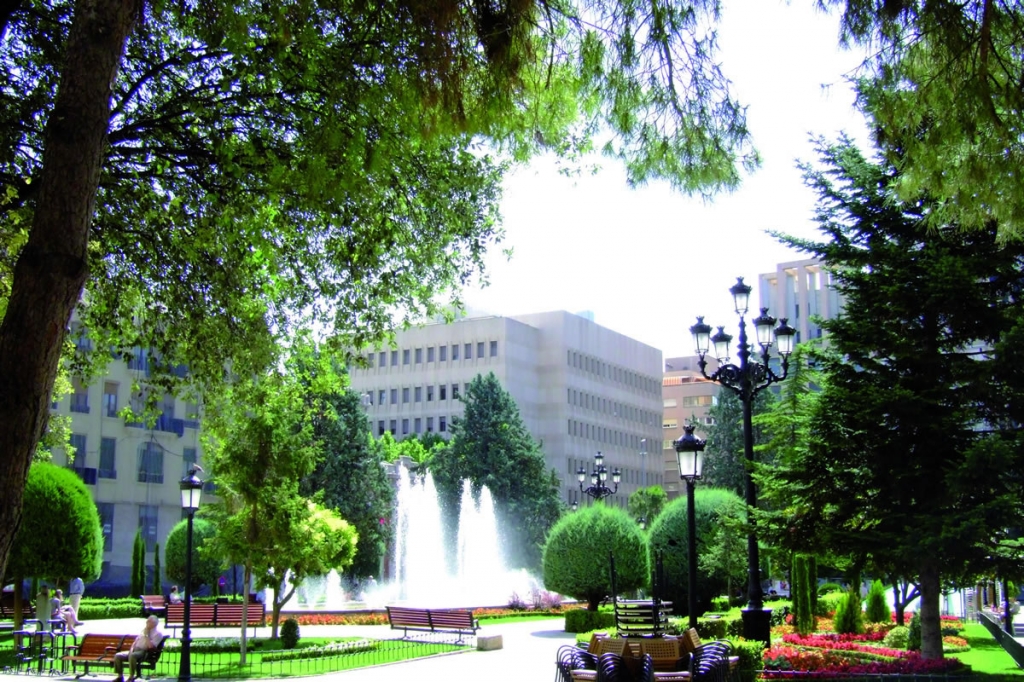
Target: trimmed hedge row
(581, 620)
(332, 649)
(99, 609)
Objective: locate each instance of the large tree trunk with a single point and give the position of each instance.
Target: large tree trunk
(52, 268)
(931, 628)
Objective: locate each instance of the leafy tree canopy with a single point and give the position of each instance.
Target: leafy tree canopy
(647, 503)
(206, 564)
(724, 460)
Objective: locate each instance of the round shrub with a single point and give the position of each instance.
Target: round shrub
(897, 637)
(914, 637)
(290, 633)
(669, 536)
(828, 588)
(576, 556)
(205, 568)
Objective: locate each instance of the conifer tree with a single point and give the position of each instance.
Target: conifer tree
(138, 581)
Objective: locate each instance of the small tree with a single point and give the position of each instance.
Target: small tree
(647, 503)
(576, 557)
(205, 565)
(849, 619)
(804, 616)
(138, 565)
(157, 587)
(877, 609)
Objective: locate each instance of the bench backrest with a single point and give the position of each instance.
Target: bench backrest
(198, 613)
(451, 618)
(232, 613)
(400, 615)
(153, 599)
(95, 645)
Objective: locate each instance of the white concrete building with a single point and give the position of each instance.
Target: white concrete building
(798, 290)
(580, 387)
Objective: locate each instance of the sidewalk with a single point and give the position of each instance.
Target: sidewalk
(528, 652)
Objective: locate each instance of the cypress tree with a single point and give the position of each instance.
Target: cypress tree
(812, 585)
(157, 587)
(795, 579)
(138, 565)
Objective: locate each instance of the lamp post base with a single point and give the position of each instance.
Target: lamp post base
(757, 625)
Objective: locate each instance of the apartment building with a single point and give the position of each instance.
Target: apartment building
(132, 469)
(686, 395)
(580, 387)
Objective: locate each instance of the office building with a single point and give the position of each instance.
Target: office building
(800, 290)
(686, 396)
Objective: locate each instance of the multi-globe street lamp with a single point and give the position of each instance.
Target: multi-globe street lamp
(191, 490)
(598, 488)
(752, 375)
(690, 457)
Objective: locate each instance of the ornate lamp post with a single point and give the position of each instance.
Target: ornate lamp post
(752, 375)
(191, 491)
(690, 456)
(598, 487)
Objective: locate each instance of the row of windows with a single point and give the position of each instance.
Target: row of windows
(692, 401)
(610, 407)
(413, 425)
(626, 377)
(417, 356)
(673, 423)
(603, 434)
(149, 517)
(411, 394)
(149, 462)
(110, 403)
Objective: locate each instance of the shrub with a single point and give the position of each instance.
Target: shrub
(829, 588)
(516, 603)
(332, 649)
(205, 568)
(97, 609)
(914, 637)
(897, 637)
(289, 633)
(582, 620)
(849, 619)
(751, 655)
(877, 610)
(577, 551)
(950, 631)
(720, 604)
(828, 603)
(718, 628)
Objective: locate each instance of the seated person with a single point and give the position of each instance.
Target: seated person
(149, 639)
(175, 597)
(63, 612)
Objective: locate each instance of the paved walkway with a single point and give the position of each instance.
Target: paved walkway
(528, 653)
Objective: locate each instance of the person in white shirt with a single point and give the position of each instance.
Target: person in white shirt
(149, 639)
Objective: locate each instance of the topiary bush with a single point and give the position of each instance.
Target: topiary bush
(713, 507)
(576, 556)
(751, 655)
(582, 620)
(205, 568)
(877, 610)
(849, 620)
(290, 633)
(914, 636)
(897, 637)
(828, 588)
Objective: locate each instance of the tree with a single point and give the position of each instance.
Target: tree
(877, 610)
(206, 566)
(910, 449)
(157, 585)
(576, 556)
(647, 503)
(717, 512)
(61, 536)
(491, 447)
(724, 459)
(218, 171)
(943, 90)
(138, 581)
(351, 479)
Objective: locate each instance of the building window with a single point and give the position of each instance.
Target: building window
(419, 355)
(108, 458)
(405, 395)
(382, 359)
(191, 415)
(148, 517)
(442, 353)
(381, 397)
(405, 427)
(393, 426)
(430, 424)
(80, 396)
(670, 402)
(417, 425)
(442, 424)
(455, 391)
(468, 349)
(494, 349)
(106, 510)
(430, 393)
(696, 400)
(667, 445)
(444, 392)
(480, 349)
(455, 351)
(394, 396)
(417, 394)
(394, 358)
(669, 423)
(77, 442)
(151, 463)
(189, 458)
(405, 356)
(430, 354)
(380, 428)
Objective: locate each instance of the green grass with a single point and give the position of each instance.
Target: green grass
(986, 656)
(520, 619)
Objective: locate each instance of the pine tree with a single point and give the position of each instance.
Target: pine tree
(724, 459)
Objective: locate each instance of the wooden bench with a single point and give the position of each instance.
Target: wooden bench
(457, 621)
(153, 604)
(28, 607)
(100, 650)
(214, 615)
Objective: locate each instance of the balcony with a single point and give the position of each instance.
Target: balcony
(87, 474)
(164, 423)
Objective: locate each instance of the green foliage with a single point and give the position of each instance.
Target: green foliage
(206, 565)
(585, 620)
(157, 587)
(138, 579)
(829, 588)
(849, 618)
(92, 608)
(828, 603)
(724, 460)
(803, 609)
(877, 610)
(751, 655)
(576, 557)
(897, 638)
(720, 604)
(914, 633)
(289, 633)
(60, 535)
(719, 628)
(350, 477)
(491, 446)
(332, 649)
(647, 503)
(717, 513)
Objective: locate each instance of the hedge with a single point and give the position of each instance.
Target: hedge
(581, 620)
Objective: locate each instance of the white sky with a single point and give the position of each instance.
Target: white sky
(648, 261)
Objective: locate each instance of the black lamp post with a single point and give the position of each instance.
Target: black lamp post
(642, 522)
(690, 456)
(747, 379)
(191, 491)
(598, 487)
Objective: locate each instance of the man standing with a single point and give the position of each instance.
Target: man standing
(75, 592)
(148, 640)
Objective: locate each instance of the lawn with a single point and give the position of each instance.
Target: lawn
(986, 657)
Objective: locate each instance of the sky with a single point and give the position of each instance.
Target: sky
(647, 261)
